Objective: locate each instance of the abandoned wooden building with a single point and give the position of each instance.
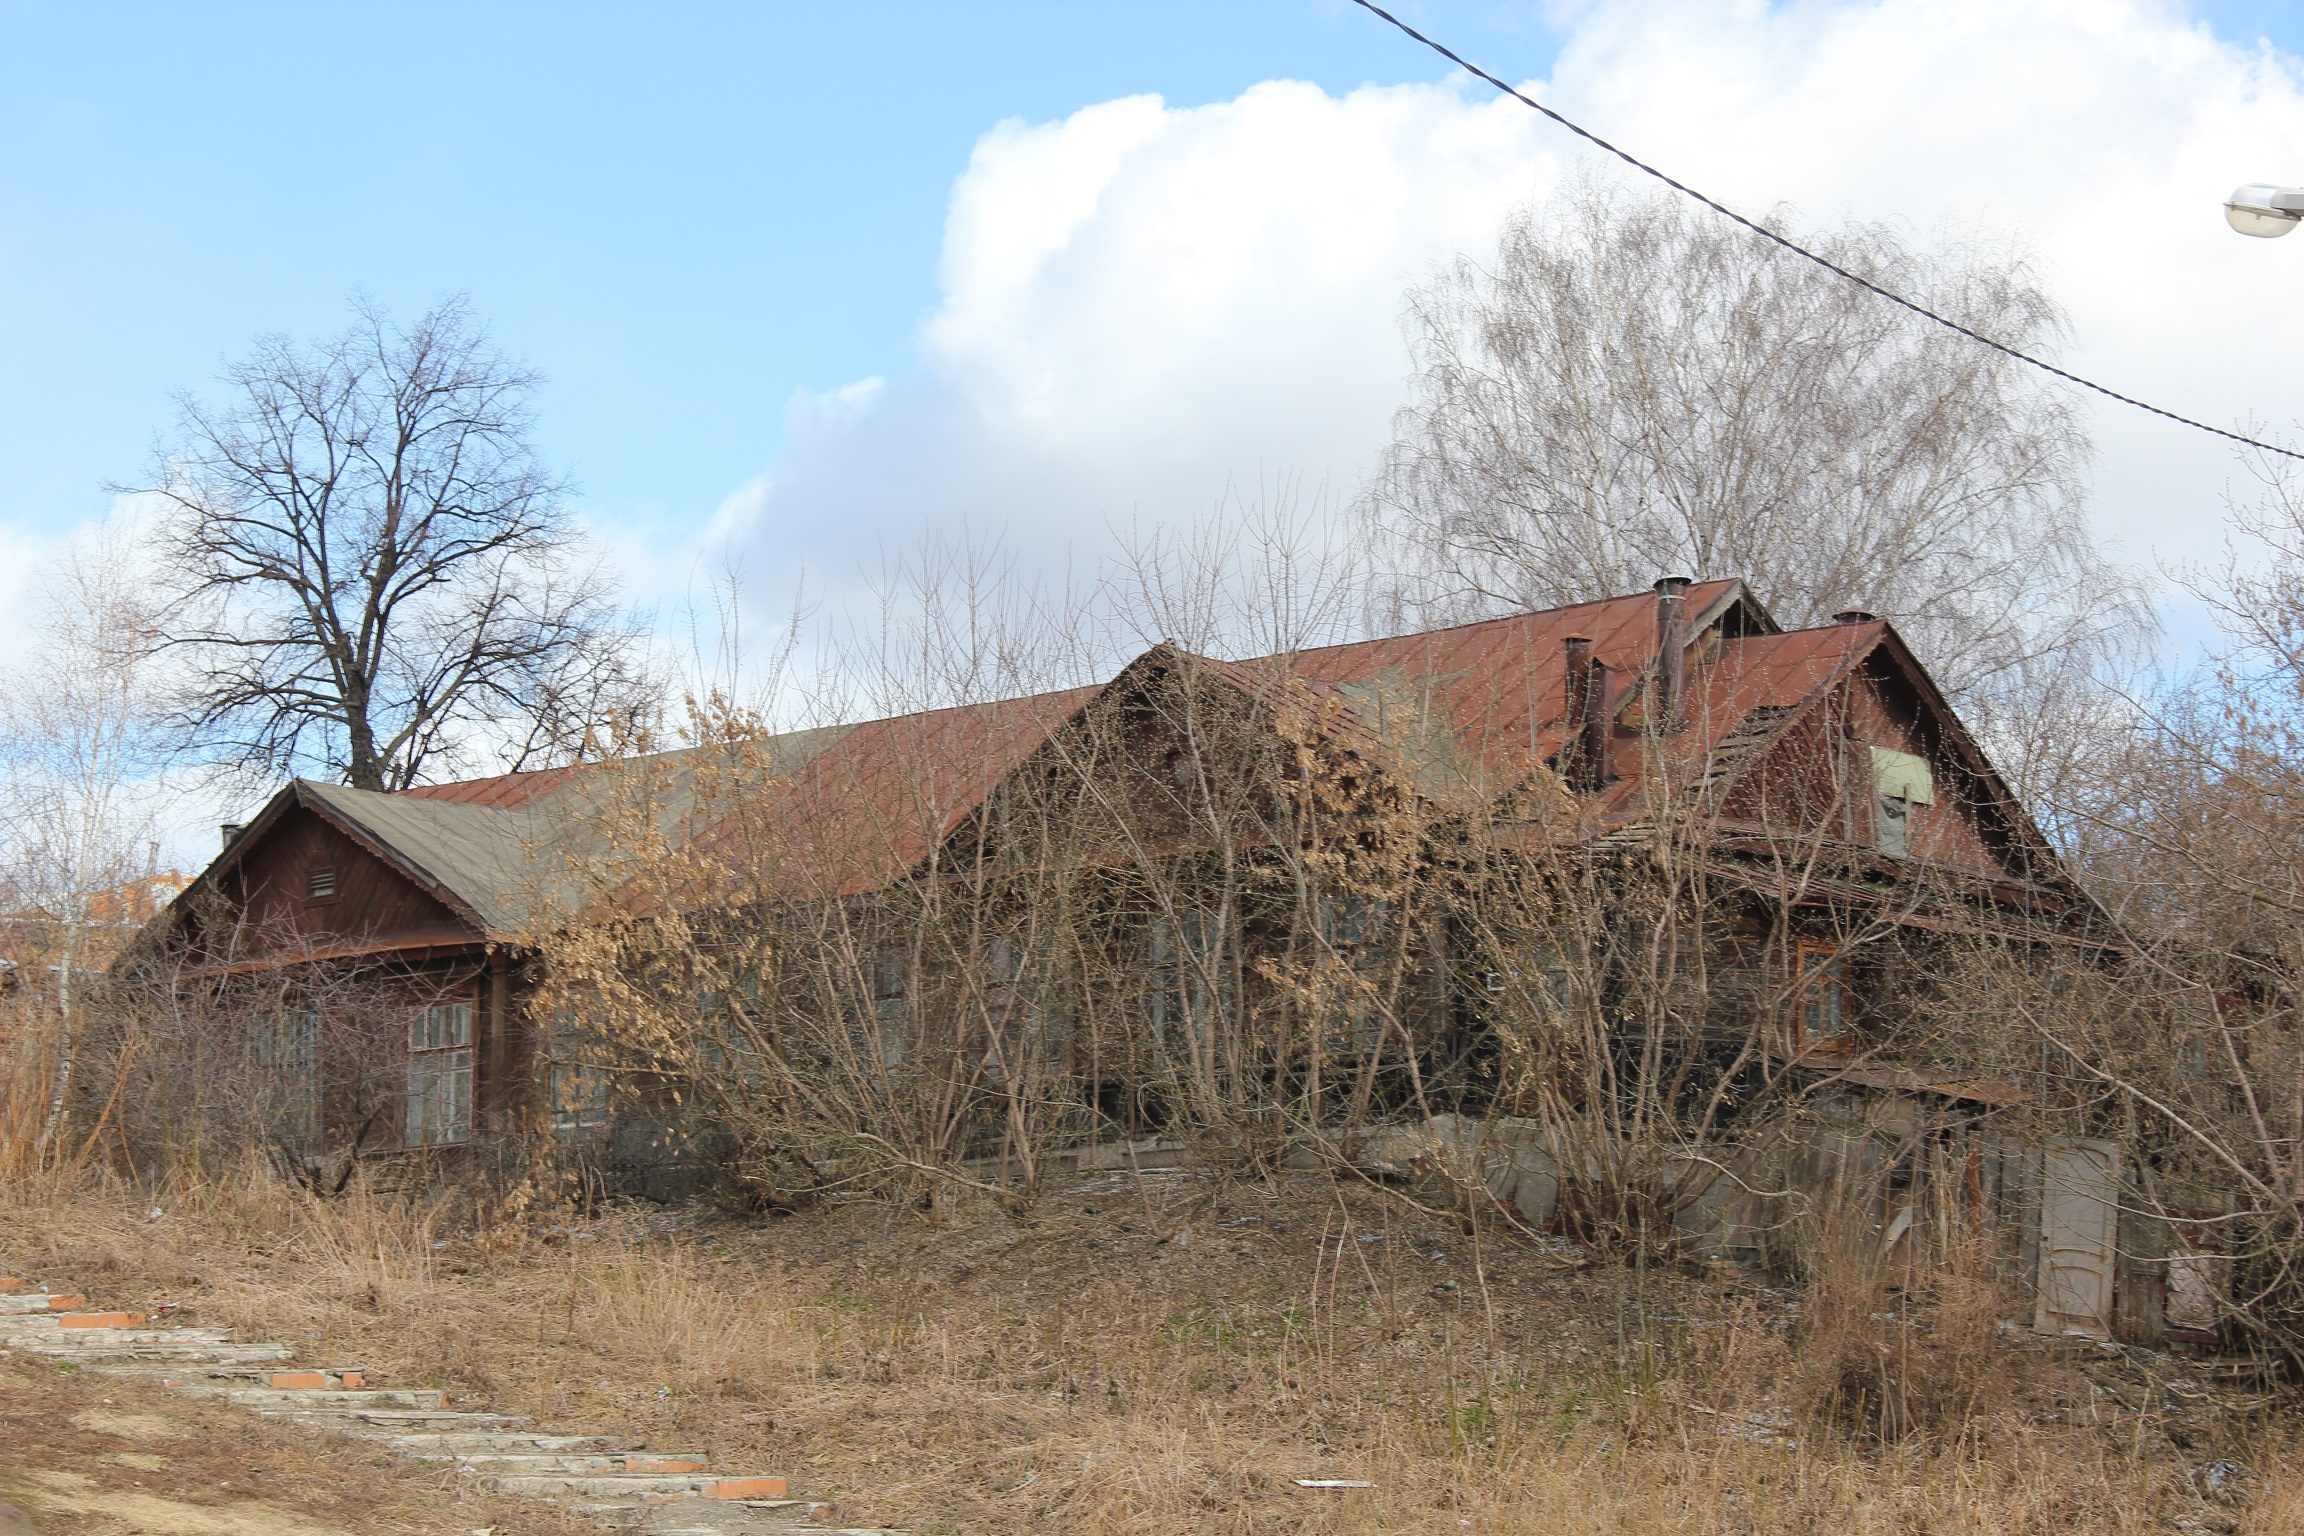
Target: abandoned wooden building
(1814, 781)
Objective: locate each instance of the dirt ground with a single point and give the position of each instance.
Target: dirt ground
(1147, 1355)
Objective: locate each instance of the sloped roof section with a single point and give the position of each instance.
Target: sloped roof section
(476, 856)
(1500, 687)
(505, 791)
(881, 799)
(1463, 714)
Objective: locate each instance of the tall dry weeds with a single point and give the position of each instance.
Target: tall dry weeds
(1045, 1383)
(1890, 1350)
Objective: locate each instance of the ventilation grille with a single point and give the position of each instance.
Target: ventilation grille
(320, 884)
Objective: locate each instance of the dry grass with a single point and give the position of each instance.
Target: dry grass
(1141, 1359)
(104, 1456)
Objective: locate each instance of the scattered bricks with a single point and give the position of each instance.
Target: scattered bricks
(353, 1379)
(101, 1320)
(66, 1303)
(11, 1283)
(745, 1488)
(632, 1464)
(287, 1379)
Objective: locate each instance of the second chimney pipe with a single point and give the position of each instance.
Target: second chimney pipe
(1578, 653)
(1671, 653)
(1599, 722)
(1576, 711)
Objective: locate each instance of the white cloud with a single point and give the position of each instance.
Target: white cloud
(1143, 303)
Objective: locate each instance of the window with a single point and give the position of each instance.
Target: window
(320, 882)
(1900, 781)
(288, 1056)
(1823, 999)
(1352, 926)
(440, 1075)
(1183, 773)
(891, 978)
(1894, 833)
(1191, 980)
(1541, 983)
(579, 1098)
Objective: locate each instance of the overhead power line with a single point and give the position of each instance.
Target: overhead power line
(1797, 249)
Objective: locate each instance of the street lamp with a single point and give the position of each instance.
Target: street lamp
(2263, 211)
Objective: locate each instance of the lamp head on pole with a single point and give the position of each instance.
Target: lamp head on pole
(2265, 211)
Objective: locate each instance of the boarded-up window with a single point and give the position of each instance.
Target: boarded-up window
(440, 1075)
(1900, 781)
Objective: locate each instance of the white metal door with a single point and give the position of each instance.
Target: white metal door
(2079, 1223)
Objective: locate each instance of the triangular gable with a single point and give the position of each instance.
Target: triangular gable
(1761, 692)
(378, 902)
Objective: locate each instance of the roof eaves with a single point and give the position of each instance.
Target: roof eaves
(241, 844)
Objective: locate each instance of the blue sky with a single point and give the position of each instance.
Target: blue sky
(705, 223)
(680, 213)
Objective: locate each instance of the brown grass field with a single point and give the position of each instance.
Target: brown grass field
(1166, 1353)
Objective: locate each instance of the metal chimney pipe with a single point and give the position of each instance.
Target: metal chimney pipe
(1577, 650)
(1671, 654)
(1576, 704)
(1599, 721)
(230, 829)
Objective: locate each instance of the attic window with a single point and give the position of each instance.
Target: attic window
(320, 882)
(1900, 781)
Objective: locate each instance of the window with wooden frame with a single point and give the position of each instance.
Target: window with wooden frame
(288, 1055)
(1353, 929)
(891, 987)
(440, 1075)
(1820, 1005)
(576, 1086)
(1191, 980)
(579, 1098)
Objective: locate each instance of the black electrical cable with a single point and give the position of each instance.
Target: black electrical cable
(1797, 249)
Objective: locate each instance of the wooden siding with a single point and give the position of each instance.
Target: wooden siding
(1816, 779)
(374, 905)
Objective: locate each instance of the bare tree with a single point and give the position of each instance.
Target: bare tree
(371, 569)
(81, 756)
(1634, 387)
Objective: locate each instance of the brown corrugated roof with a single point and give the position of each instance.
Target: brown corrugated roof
(505, 791)
(1462, 713)
(879, 801)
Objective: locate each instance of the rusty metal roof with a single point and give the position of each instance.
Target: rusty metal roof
(885, 796)
(1464, 714)
(505, 791)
